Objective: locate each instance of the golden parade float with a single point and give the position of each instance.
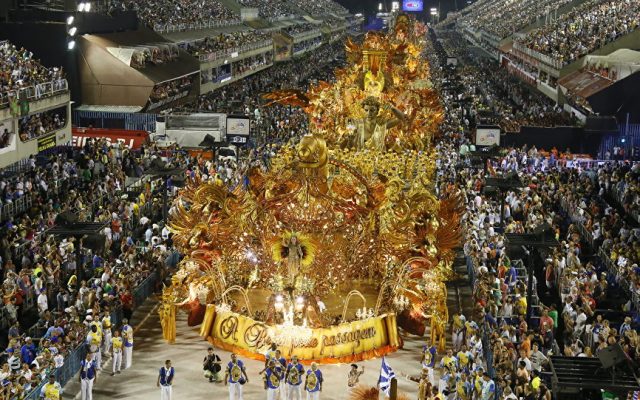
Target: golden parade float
(342, 240)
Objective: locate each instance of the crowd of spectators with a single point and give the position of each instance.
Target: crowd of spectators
(171, 88)
(584, 29)
(576, 308)
(72, 283)
(251, 63)
(307, 45)
(155, 55)
(159, 14)
(40, 124)
(295, 30)
(225, 41)
(270, 9)
(490, 95)
(276, 123)
(19, 69)
(5, 136)
(320, 7)
(623, 182)
(603, 71)
(503, 18)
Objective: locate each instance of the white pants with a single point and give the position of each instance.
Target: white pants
(117, 361)
(165, 392)
(235, 391)
(283, 390)
(430, 374)
(295, 392)
(86, 389)
(97, 357)
(128, 356)
(106, 344)
(272, 394)
(313, 395)
(457, 339)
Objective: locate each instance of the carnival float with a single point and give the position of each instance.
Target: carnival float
(343, 239)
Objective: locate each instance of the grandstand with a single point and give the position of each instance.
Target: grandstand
(34, 105)
(155, 55)
(550, 43)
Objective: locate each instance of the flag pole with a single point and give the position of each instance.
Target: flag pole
(393, 393)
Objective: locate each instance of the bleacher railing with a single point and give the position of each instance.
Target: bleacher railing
(240, 49)
(612, 267)
(36, 92)
(618, 195)
(168, 28)
(304, 34)
(554, 62)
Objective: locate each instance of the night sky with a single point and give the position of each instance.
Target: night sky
(370, 7)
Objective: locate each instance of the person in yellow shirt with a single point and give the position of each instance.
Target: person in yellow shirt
(435, 394)
(94, 340)
(449, 361)
(116, 346)
(535, 382)
(105, 323)
(464, 358)
(463, 387)
(478, 382)
(457, 331)
(51, 390)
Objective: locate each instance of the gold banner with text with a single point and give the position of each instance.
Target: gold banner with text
(347, 342)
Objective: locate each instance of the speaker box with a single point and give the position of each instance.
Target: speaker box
(66, 218)
(612, 356)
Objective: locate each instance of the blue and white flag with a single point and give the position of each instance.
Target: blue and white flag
(386, 374)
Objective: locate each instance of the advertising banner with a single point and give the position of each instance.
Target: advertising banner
(133, 139)
(47, 142)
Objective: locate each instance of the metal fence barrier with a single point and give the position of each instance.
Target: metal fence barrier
(36, 92)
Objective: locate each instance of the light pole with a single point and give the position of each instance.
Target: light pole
(435, 15)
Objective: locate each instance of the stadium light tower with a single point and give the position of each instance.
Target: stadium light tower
(435, 15)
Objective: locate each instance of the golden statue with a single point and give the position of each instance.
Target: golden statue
(371, 131)
(294, 256)
(313, 159)
(297, 251)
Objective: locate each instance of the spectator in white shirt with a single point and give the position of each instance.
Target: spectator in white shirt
(43, 304)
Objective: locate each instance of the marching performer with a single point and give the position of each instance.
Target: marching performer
(235, 376)
(87, 377)
(457, 331)
(165, 380)
(94, 340)
(295, 370)
(273, 376)
(127, 335)
(424, 384)
(51, 390)
(313, 382)
(281, 366)
(116, 345)
(429, 361)
(106, 332)
(354, 375)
